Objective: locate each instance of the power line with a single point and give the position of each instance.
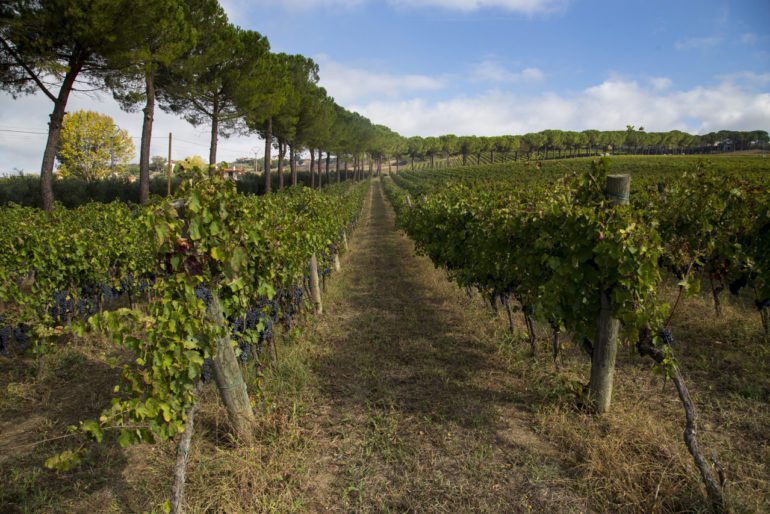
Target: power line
(23, 132)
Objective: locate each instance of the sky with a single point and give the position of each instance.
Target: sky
(485, 67)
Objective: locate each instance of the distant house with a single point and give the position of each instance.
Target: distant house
(234, 173)
(726, 145)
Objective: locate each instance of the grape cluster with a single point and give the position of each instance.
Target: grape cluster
(266, 333)
(667, 336)
(6, 332)
(63, 304)
(245, 352)
(207, 372)
(291, 300)
(21, 335)
(203, 293)
(108, 293)
(736, 285)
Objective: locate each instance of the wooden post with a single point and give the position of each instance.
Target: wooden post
(168, 174)
(229, 379)
(183, 457)
(606, 344)
(345, 239)
(337, 266)
(315, 289)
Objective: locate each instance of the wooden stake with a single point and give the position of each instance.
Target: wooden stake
(606, 344)
(183, 457)
(315, 289)
(229, 379)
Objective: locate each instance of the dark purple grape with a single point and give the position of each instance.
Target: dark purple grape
(667, 336)
(207, 372)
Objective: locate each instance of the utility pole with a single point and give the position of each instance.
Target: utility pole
(168, 182)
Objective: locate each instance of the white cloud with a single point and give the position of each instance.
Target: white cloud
(698, 43)
(610, 105)
(235, 8)
(491, 71)
(519, 6)
(239, 10)
(748, 78)
(660, 83)
(350, 84)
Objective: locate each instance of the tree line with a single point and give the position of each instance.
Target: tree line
(564, 143)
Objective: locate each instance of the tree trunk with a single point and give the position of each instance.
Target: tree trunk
(328, 160)
(268, 151)
(312, 168)
(292, 166)
(281, 153)
(337, 168)
(229, 379)
(54, 132)
(144, 152)
(214, 133)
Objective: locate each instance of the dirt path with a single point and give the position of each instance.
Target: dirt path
(416, 412)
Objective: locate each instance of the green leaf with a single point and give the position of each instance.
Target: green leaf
(93, 428)
(64, 461)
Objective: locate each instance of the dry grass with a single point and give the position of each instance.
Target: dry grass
(634, 459)
(408, 396)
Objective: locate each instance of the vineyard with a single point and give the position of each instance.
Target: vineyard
(292, 346)
(477, 314)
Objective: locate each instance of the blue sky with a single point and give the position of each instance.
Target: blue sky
(486, 67)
